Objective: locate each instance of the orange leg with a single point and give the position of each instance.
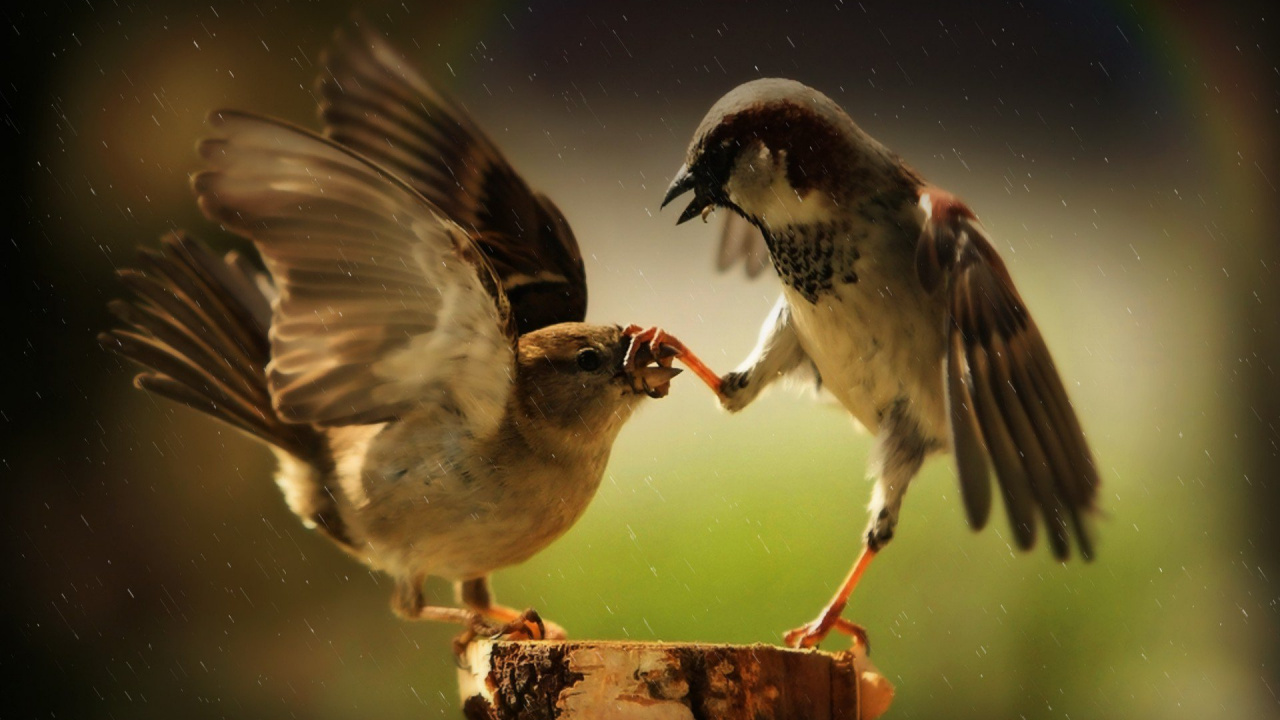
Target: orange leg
(659, 338)
(829, 619)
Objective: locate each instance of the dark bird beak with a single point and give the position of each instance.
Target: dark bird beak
(686, 180)
(682, 183)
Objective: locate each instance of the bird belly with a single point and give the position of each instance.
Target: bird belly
(459, 508)
(877, 345)
(520, 515)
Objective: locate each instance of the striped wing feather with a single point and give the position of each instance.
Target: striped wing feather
(375, 103)
(382, 305)
(1008, 407)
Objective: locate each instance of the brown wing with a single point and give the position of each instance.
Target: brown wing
(742, 242)
(383, 306)
(376, 104)
(1007, 403)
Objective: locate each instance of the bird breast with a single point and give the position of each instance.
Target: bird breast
(871, 330)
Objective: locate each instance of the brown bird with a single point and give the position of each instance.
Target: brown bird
(895, 296)
(416, 359)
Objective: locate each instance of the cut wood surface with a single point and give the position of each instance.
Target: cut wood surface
(505, 680)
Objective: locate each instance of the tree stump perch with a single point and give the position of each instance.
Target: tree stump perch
(506, 680)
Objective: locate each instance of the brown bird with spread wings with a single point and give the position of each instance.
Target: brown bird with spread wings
(417, 358)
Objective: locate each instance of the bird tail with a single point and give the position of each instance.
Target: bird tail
(199, 324)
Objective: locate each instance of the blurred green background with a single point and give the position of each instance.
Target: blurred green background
(1123, 156)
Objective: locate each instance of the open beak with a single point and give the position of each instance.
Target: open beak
(684, 181)
(654, 381)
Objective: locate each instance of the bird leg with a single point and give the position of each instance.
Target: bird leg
(409, 603)
(643, 344)
(481, 617)
(812, 633)
(777, 353)
(898, 454)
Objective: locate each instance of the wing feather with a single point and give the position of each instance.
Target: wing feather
(376, 104)
(1010, 471)
(971, 455)
(1006, 400)
(382, 305)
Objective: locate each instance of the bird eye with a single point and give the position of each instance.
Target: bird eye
(589, 359)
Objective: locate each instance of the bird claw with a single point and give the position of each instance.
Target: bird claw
(855, 631)
(814, 632)
(807, 635)
(656, 345)
(648, 360)
(528, 625)
(650, 345)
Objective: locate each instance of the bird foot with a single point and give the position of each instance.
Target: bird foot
(648, 360)
(528, 625)
(550, 630)
(657, 346)
(812, 633)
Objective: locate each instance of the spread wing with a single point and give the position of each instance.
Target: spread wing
(383, 307)
(1007, 404)
(742, 242)
(376, 104)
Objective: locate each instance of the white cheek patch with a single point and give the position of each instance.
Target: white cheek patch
(758, 185)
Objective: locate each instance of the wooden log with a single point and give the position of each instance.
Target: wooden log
(505, 680)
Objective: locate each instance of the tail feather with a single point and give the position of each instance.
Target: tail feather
(200, 325)
(228, 292)
(220, 401)
(158, 296)
(226, 321)
(163, 333)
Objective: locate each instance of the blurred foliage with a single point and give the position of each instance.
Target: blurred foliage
(1122, 156)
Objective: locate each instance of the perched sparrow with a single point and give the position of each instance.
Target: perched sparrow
(894, 294)
(417, 360)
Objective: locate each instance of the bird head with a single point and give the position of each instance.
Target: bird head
(775, 151)
(576, 375)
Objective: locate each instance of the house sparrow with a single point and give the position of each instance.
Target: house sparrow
(416, 360)
(895, 295)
